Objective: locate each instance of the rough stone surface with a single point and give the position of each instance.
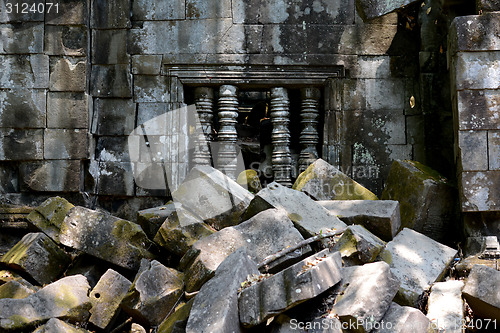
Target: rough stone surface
(323, 181)
(402, 319)
(177, 321)
(65, 40)
(488, 5)
(151, 219)
(473, 150)
(37, 255)
(478, 109)
(481, 292)
(264, 234)
(50, 176)
(21, 38)
(480, 191)
(144, 10)
(381, 217)
(22, 108)
(366, 292)
(369, 10)
(58, 326)
(118, 241)
(215, 308)
(111, 81)
(19, 145)
(302, 281)
(15, 290)
(68, 74)
(213, 196)
(28, 71)
(154, 292)
(307, 215)
(65, 144)
(106, 298)
(417, 261)
(146, 64)
(109, 112)
(475, 32)
(109, 47)
(67, 110)
(445, 306)
(65, 299)
(358, 246)
(75, 13)
(109, 15)
(477, 70)
(150, 89)
(114, 178)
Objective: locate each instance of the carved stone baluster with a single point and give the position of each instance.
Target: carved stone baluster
(204, 97)
(227, 136)
(281, 158)
(309, 137)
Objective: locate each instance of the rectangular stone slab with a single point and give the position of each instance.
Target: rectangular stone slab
(481, 291)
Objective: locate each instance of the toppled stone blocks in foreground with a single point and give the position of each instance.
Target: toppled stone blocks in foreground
(446, 307)
(404, 319)
(481, 292)
(358, 246)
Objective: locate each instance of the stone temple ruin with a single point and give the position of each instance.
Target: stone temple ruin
(155, 155)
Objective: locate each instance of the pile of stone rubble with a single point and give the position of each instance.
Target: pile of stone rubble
(221, 259)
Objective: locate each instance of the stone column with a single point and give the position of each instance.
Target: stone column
(227, 136)
(309, 137)
(204, 97)
(282, 159)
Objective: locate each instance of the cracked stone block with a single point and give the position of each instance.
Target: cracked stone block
(28, 71)
(111, 81)
(417, 261)
(50, 176)
(288, 288)
(381, 217)
(154, 292)
(65, 144)
(65, 40)
(481, 292)
(180, 230)
(151, 219)
(177, 321)
(55, 325)
(369, 10)
(106, 298)
(109, 47)
(23, 108)
(68, 74)
(37, 255)
(446, 307)
(307, 215)
(67, 110)
(15, 290)
(358, 246)
(66, 298)
(364, 295)
(104, 236)
(323, 181)
(215, 308)
(19, 145)
(213, 196)
(426, 199)
(264, 234)
(402, 319)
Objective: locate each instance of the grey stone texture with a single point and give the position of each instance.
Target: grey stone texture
(480, 291)
(19, 16)
(28, 71)
(67, 110)
(15, 290)
(110, 15)
(494, 150)
(487, 5)
(148, 89)
(64, 144)
(144, 10)
(358, 246)
(55, 325)
(373, 9)
(65, 40)
(21, 38)
(475, 33)
(50, 176)
(22, 108)
(75, 13)
(446, 307)
(478, 109)
(109, 47)
(19, 145)
(475, 70)
(480, 190)
(146, 64)
(151, 219)
(109, 112)
(474, 155)
(402, 319)
(68, 74)
(111, 81)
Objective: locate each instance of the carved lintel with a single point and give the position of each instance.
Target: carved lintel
(309, 137)
(227, 136)
(204, 97)
(280, 117)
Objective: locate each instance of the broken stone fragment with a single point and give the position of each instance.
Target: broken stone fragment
(322, 181)
(417, 261)
(66, 299)
(292, 286)
(118, 241)
(106, 298)
(358, 246)
(250, 180)
(49, 216)
(404, 319)
(151, 219)
(58, 326)
(213, 196)
(427, 202)
(481, 292)
(7, 276)
(381, 217)
(446, 307)
(307, 215)
(364, 295)
(180, 230)
(369, 10)
(154, 292)
(177, 321)
(215, 308)
(37, 255)
(16, 290)
(264, 234)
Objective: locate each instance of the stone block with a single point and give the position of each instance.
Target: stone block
(37, 255)
(358, 246)
(19, 16)
(113, 149)
(109, 112)
(62, 144)
(149, 88)
(162, 124)
(28, 71)
(15, 290)
(323, 181)
(480, 292)
(50, 176)
(480, 191)
(381, 217)
(111, 81)
(66, 298)
(426, 199)
(70, 12)
(215, 308)
(476, 32)
(177, 321)
(365, 294)
(477, 70)
(65, 40)
(104, 236)
(282, 291)
(478, 109)
(7, 276)
(144, 10)
(58, 326)
(487, 6)
(417, 261)
(68, 74)
(372, 67)
(266, 233)
(67, 110)
(114, 178)
(445, 306)
(106, 298)
(494, 150)
(147, 64)
(401, 319)
(369, 39)
(379, 126)
(374, 94)
(180, 230)
(21, 38)
(155, 291)
(19, 145)
(369, 10)
(211, 9)
(151, 219)
(473, 150)
(22, 108)
(110, 15)
(9, 178)
(109, 47)
(213, 196)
